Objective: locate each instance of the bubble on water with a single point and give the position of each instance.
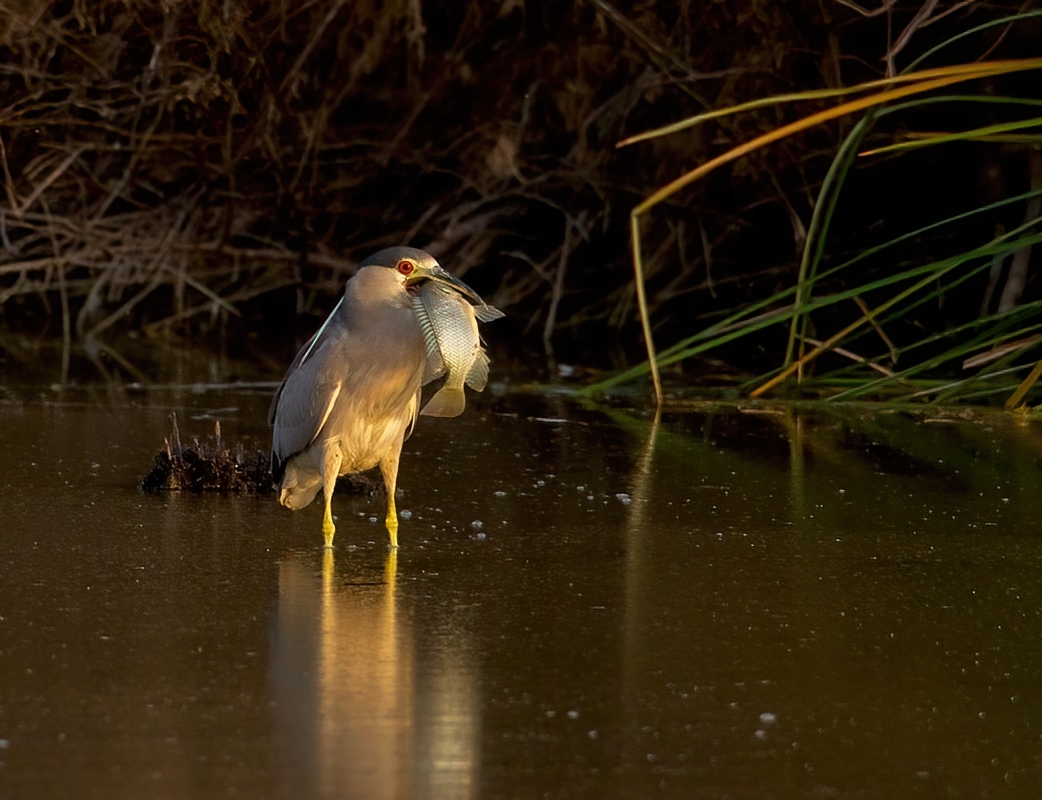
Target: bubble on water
(592, 734)
(373, 519)
(767, 718)
(579, 488)
(479, 536)
(540, 484)
(500, 494)
(477, 524)
(624, 498)
(551, 714)
(573, 714)
(405, 514)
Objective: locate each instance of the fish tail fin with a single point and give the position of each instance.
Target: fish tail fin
(448, 401)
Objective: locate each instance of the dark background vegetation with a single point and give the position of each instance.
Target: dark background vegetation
(178, 168)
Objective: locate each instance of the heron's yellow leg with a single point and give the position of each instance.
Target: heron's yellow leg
(328, 528)
(330, 470)
(392, 522)
(390, 472)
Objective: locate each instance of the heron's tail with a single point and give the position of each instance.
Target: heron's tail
(448, 401)
(298, 487)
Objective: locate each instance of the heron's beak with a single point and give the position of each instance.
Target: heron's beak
(439, 275)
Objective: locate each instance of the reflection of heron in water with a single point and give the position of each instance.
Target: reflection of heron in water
(361, 715)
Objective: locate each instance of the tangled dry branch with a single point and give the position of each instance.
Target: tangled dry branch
(166, 163)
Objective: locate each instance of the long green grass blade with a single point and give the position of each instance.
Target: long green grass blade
(710, 337)
(1011, 20)
(814, 246)
(945, 138)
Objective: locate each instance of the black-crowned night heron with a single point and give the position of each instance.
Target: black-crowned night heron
(352, 393)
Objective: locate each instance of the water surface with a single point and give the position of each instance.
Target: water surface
(740, 605)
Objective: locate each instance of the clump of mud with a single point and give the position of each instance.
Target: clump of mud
(207, 466)
(212, 466)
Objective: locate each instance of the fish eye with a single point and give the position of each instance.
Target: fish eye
(405, 267)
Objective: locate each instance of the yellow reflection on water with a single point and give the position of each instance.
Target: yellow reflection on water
(378, 722)
(636, 533)
(365, 688)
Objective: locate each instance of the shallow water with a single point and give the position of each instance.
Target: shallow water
(740, 605)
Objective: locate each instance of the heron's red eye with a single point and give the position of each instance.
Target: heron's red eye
(405, 267)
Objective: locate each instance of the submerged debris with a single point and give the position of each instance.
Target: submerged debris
(211, 466)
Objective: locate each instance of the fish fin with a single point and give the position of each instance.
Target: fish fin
(447, 402)
(478, 375)
(487, 313)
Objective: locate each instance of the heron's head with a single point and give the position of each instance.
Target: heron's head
(416, 266)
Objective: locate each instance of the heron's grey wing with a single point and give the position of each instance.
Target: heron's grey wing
(305, 403)
(320, 336)
(306, 396)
